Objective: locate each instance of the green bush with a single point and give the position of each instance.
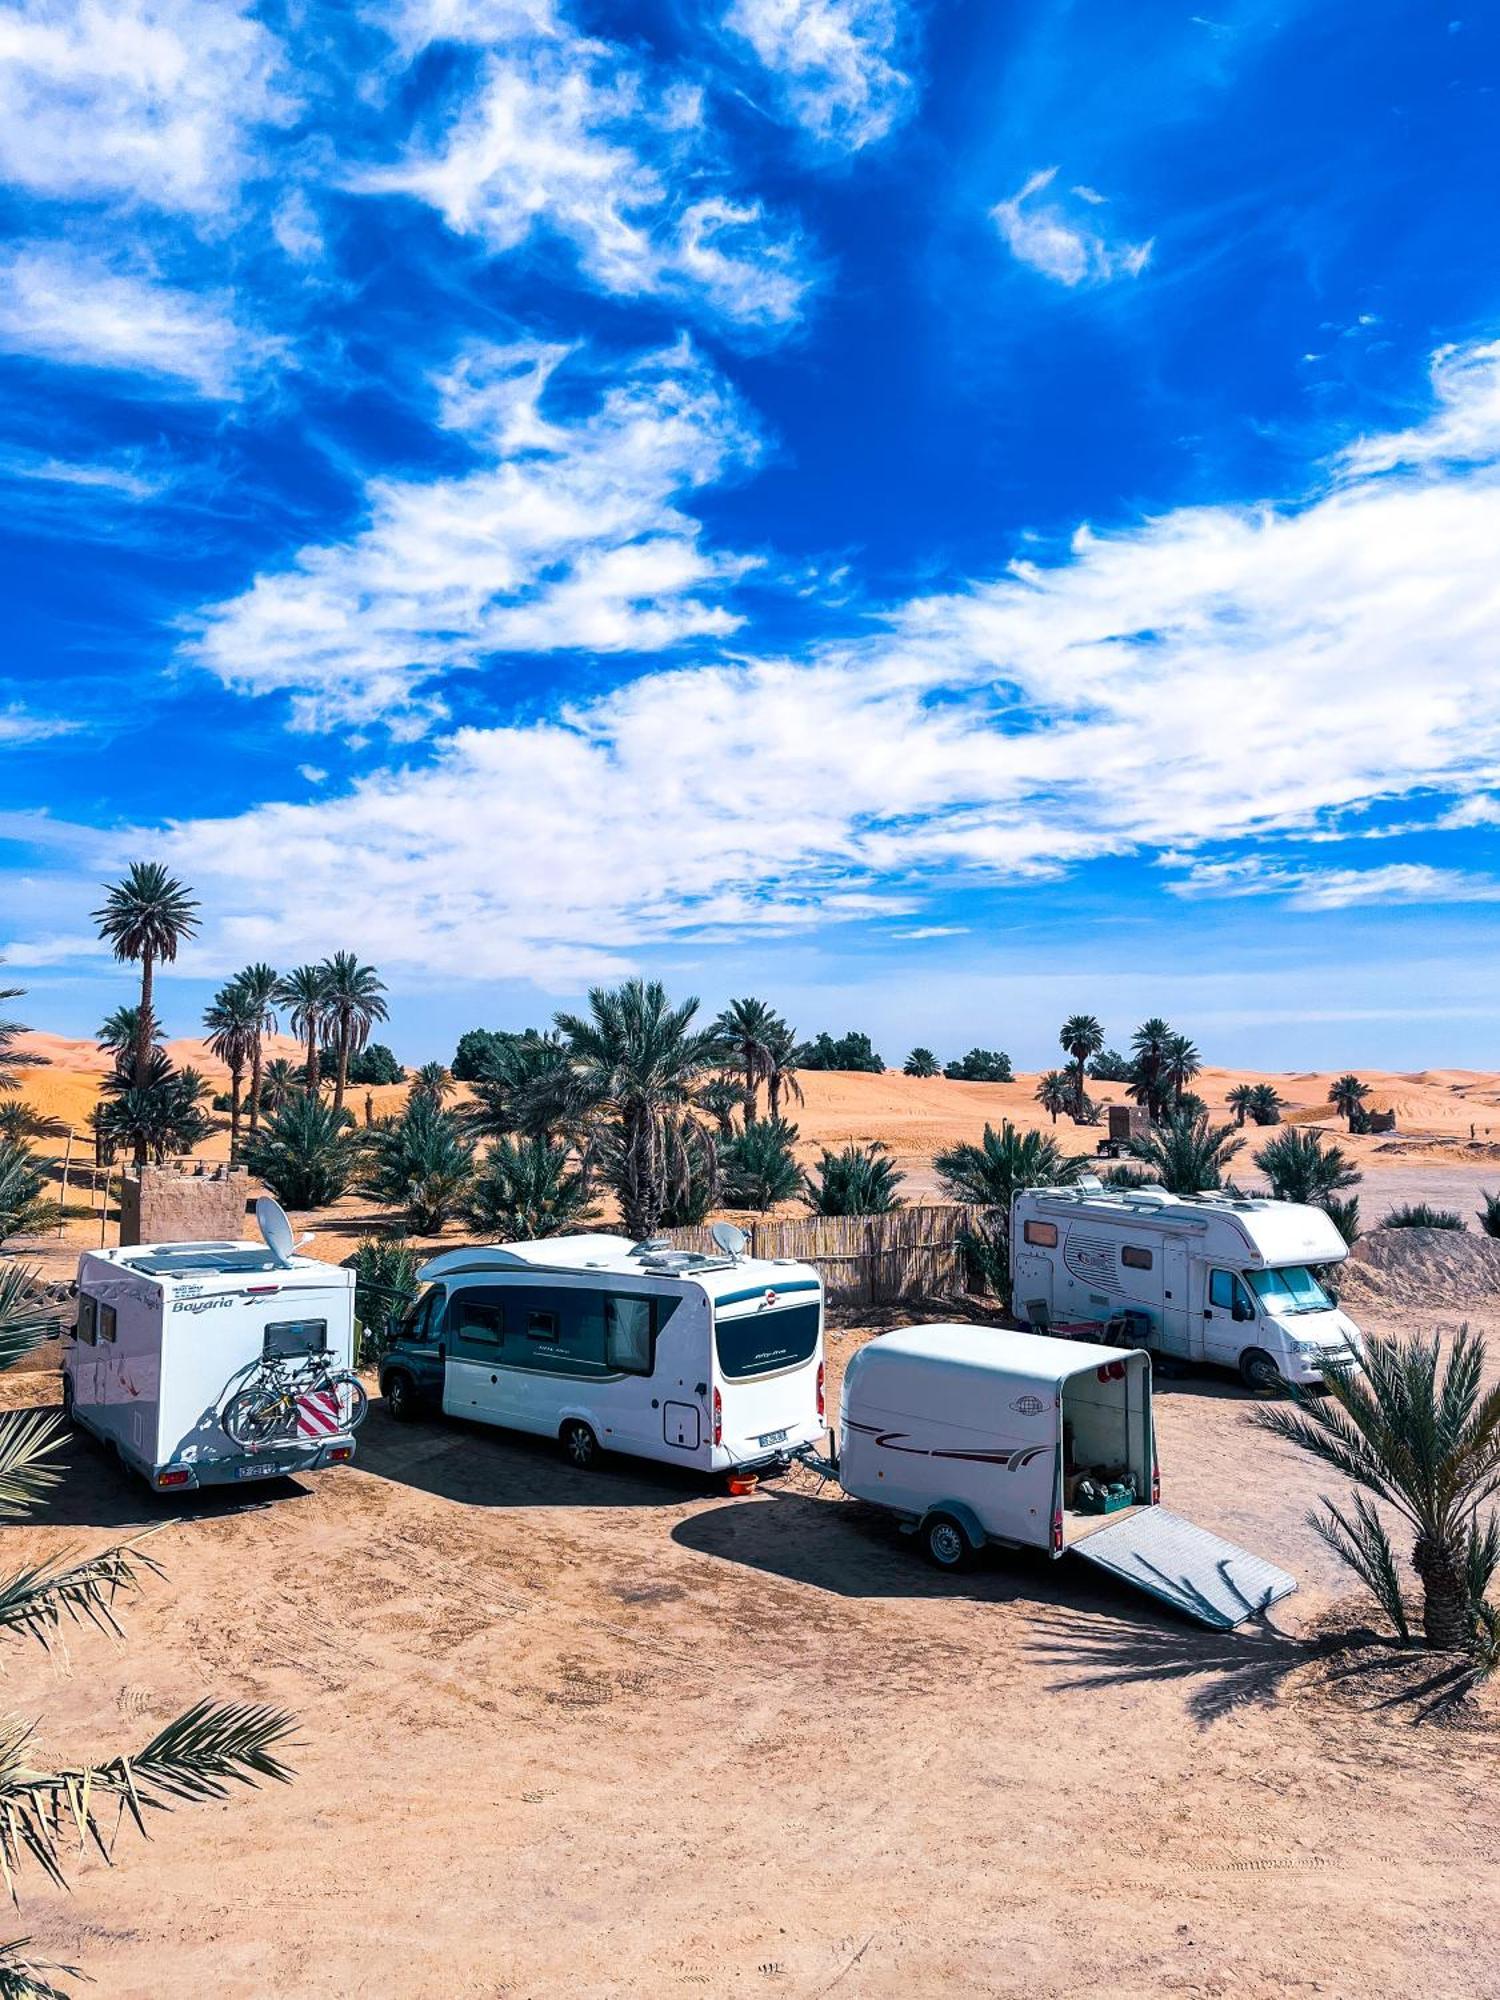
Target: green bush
(860, 1180)
(303, 1153)
(921, 1062)
(375, 1064)
(526, 1189)
(1489, 1215)
(981, 1066)
(1421, 1215)
(758, 1166)
(422, 1164)
(851, 1051)
(385, 1289)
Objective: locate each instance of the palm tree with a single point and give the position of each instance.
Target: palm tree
(233, 1023)
(20, 1121)
(782, 1050)
(25, 1206)
(860, 1180)
(385, 1289)
(146, 917)
(745, 1026)
(1187, 1154)
(420, 1163)
(690, 1160)
(1082, 1037)
(1149, 1058)
(527, 1189)
(303, 1153)
(1240, 1100)
(1300, 1168)
(1054, 1092)
(989, 1174)
(12, 1058)
(721, 1097)
(638, 1057)
(355, 1002)
(44, 1812)
(1266, 1104)
(259, 983)
(118, 1031)
(1347, 1096)
(921, 1062)
(1422, 1434)
(159, 1116)
(432, 1081)
(1180, 1065)
(278, 1082)
(759, 1167)
(304, 990)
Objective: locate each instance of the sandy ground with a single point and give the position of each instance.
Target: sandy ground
(617, 1734)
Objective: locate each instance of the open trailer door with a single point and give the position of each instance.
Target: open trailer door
(1214, 1581)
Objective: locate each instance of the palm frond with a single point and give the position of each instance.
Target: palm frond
(25, 1319)
(23, 1978)
(1364, 1546)
(196, 1757)
(1482, 1559)
(35, 1601)
(29, 1441)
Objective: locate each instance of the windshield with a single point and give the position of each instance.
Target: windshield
(758, 1343)
(1292, 1289)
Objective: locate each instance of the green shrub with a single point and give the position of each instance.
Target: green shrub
(526, 1189)
(385, 1289)
(851, 1051)
(1489, 1215)
(758, 1166)
(422, 1164)
(375, 1064)
(981, 1066)
(860, 1180)
(1421, 1215)
(303, 1153)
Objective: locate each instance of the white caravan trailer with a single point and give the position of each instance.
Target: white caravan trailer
(712, 1361)
(1219, 1278)
(169, 1334)
(975, 1435)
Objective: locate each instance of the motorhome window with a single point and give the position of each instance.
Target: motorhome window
(295, 1339)
(421, 1323)
(541, 1325)
(758, 1343)
(87, 1310)
(1291, 1289)
(629, 1334)
(1042, 1234)
(477, 1316)
(1227, 1293)
(1134, 1258)
(106, 1322)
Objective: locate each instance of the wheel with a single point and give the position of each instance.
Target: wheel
(401, 1401)
(1258, 1370)
(580, 1444)
(257, 1416)
(353, 1401)
(946, 1543)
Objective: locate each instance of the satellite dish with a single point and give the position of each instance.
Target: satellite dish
(730, 1239)
(271, 1221)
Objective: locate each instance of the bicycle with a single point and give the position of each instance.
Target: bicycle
(277, 1405)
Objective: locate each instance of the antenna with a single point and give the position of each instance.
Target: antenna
(730, 1239)
(271, 1221)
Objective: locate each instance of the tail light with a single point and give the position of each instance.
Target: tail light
(822, 1407)
(718, 1418)
(1057, 1533)
(176, 1477)
(339, 1453)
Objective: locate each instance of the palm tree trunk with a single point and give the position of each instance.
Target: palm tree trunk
(143, 1030)
(255, 1067)
(749, 1088)
(773, 1096)
(235, 1078)
(341, 1078)
(1445, 1595)
(312, 1059)
(1078, 1089)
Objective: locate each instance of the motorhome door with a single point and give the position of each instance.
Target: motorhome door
(1176, 1313)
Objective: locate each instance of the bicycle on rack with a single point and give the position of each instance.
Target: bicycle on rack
(290, 1401)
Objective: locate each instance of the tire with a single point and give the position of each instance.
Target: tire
(1259, 1371)
(945, 1544)
(256, 1417)
(352, 1390)
(580, 1445)
(402, 1404)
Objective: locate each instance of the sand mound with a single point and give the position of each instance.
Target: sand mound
(1423, 1267)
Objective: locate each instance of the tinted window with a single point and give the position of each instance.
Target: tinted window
(756, 1343)
(629, 1333)
(87, 1318)
(1226, 1292)
(1134, 1257)
(556, 1332)
(542, 1324)
(106, 1322)
(423, 1320)
(1043, 1234)
(294, 1339)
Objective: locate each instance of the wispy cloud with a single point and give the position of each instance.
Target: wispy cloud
(1465, 426)
(933, 931)
(1044, 235)
(570, 138)
(20, 724)
(1336, 888)
(152, 100)
(567, 534)
(831, 63)
(85, 312)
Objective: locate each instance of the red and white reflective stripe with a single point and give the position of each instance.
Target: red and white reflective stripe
(318, 1414)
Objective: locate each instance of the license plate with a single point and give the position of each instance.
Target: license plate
(254, 1470)
(773, 1437)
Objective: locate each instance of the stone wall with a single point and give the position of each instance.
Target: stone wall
(163, 1205)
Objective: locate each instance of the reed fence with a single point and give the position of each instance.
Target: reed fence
(865, 1259)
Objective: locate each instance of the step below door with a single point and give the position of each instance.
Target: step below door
(680, 1425)
(1214, 1581)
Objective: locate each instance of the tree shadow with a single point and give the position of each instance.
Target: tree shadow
(1252, 1664)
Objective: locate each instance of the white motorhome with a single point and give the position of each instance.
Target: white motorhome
(973, 1435)
(169, 1333)
(709, 1360)
(1226, 1279)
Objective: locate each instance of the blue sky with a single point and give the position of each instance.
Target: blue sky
(942, 512)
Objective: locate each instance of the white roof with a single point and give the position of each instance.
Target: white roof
(716, 1274)
(1268, 1232)
(199, 1261)
(1035, 1357)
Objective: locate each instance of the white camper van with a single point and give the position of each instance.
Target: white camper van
(1219, 1278)
(208, 1363)
(708, 1360)
(973, 1435)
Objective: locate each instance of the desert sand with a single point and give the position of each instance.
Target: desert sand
(616, 1734)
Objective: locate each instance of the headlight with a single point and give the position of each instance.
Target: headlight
(1308, 1350)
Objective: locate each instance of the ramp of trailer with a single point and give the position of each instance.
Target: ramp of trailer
(1210, 1579)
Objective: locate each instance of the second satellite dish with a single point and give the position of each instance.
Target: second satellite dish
(730, 1240)
(271, 1221)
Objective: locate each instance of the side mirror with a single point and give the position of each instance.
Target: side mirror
(1242, 1311)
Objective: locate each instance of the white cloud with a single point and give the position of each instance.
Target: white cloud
(152, 100)
(19, 724)
(1483, 809)
(568, 136)
(1336, 888)
(567, 534)
(831, 60)
(1464, 427)
(1043, 235)
(98, 475)
(933, 931)
(84, 312)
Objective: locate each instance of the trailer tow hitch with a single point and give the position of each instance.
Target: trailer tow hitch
(815, 1461)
